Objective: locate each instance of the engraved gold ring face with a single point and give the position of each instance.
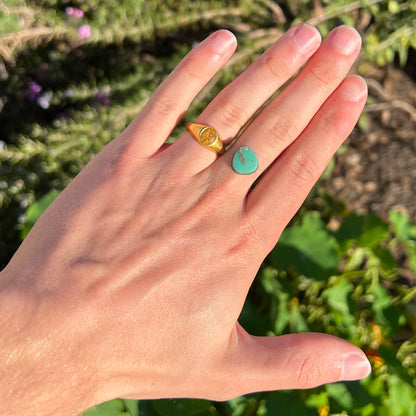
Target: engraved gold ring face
(207, 136)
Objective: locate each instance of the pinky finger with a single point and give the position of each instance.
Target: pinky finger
(284, 187)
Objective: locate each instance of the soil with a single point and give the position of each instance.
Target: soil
(376, 172)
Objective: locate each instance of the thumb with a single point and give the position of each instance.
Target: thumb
(295, 361)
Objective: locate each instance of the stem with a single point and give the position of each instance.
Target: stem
(409, 296)
(398, 34)
(252, 407)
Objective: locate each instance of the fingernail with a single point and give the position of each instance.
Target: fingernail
(221, 41)
(346, 39)
(307, 38)
(354, 88)
(356, 367)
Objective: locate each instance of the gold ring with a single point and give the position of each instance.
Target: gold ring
(207, 136)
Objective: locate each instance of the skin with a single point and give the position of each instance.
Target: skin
(131, 283)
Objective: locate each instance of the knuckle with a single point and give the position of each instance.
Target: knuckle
(166, 106)
(241, 248)
(308, 373)
(192, 69)
(250, 240)
(303, 169)
(276, 66)
(216, 197)
(114, 161)
(231, 115)
(214, 200)
(281, 128)
(331, 126)
(323, 75)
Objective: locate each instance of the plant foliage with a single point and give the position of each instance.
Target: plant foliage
(73, 74)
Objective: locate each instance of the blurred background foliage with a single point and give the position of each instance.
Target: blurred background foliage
(73, 74)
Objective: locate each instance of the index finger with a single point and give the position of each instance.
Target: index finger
(150, 129)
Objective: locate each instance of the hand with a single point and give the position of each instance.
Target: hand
(131, 283)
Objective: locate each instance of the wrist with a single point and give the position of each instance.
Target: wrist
(36, 372)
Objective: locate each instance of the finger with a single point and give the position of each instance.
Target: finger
(236, 104)
(288, 181)
(281, 122)
(295, 361)
(149, 130)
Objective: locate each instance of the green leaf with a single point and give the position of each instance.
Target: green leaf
(390, 357)
(402, 398)
(283, 315)
(337, 296)
(296, 320)
(183, 407)
(361, 230)
(340, 393)
(132, 406)
(406, 233)
(307, 248)
(317, 400)
(387, 316)
(351, 228)
(253, 321)
(288, 403)
(280, 300)
(146, 408)
(34, 211)
(387, 261)
(403, 228)
(359, 397)
(116, 407)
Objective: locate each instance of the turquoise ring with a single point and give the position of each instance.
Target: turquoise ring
(245, 161)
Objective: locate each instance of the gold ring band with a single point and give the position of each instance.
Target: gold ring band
(207, 136)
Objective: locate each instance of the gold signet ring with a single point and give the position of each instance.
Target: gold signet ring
(207, 136)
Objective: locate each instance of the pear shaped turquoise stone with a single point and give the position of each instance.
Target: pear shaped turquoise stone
(245, 161)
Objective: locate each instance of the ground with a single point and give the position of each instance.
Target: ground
(376, 171)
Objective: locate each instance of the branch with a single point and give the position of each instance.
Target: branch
(390, 102)
(342, 10)
(276, 10)
(26, 13)
(396, 104)
(10, 41)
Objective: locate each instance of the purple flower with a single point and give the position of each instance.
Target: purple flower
(74, 12)
(102, 98)
(84, 31)
(34, 90)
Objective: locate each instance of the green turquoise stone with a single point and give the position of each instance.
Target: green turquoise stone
(245, 161)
